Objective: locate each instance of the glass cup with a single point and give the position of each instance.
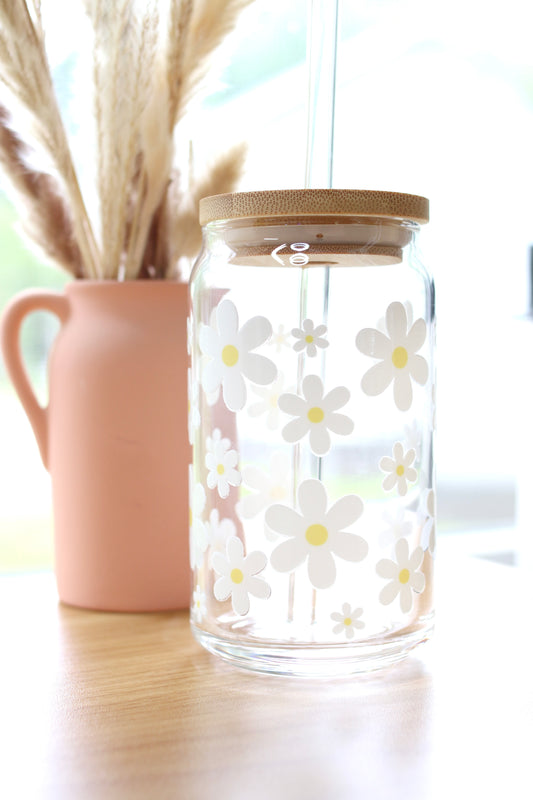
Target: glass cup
(311, 398)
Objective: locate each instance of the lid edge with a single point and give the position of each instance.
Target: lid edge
(314, 202)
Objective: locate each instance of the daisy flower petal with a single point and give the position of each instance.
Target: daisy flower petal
(259, 369)
(320, 440)
(322, 570)
(295, 430)
(377, 379)
(372, 342)
(288, 555)
(254, 333)
(282, 518)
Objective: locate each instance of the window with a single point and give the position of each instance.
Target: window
(432, 98)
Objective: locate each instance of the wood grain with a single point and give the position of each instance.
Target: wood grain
(99, 706)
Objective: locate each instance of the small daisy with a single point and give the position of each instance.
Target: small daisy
(219, 530)
(309, 337)
(347, 620)
(399, 362)
(428, 538)
(315, 414)
(279, 339)
(198, 606)
(197, 531)
(230, 357)
(399, 469)
(316, 534)
(221, 463)
(239, 576)
(269, 487)
(403, 575)
(398, 527)
(268, 405)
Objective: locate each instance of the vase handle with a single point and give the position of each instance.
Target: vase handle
(12, 318)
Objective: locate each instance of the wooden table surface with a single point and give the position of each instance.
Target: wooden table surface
(100, 706)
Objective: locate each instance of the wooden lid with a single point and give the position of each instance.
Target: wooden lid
(314, 202)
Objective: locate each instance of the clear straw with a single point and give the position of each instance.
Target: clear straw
(322, 71)
(322, 74)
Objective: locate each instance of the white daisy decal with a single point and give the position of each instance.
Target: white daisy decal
(219, 530)
(221, 461)
(397, 526)
(316, 534)
(428, 538)
(198, 606)
(347, 620)
(268, 405)
(280, 338)
(315, 414)
(404, 579)
(400, 471)
(197, 531)
(399, 361)
(309, 337)
(230, 357)
(268, 487)
(239, 576)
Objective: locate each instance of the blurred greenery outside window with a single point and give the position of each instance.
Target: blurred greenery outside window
(432, 98)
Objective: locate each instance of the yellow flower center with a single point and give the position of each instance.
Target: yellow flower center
(220, 469)
(403, 577)
(315, 414)
(273, 400)
(400, 357)
(230, 355)
(308, 338)
(237, 575)
(316, 534)
(400, 469)
(348, 621)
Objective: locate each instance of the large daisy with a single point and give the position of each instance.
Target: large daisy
(230, 357)
(316, 535)
(398, 353)
(404, 577)
(315, 414)
(238, 576)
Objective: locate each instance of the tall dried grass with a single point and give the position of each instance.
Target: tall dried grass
(149, 59)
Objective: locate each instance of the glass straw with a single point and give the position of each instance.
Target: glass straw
(322, 72)
(322, 23)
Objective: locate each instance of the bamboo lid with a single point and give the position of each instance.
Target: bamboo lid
(314, 202)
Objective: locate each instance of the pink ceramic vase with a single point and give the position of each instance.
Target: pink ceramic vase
(114, 438)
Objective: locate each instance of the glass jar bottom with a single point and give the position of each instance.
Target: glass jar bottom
(317, 660)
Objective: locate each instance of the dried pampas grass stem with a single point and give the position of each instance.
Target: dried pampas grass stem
(26, 73)
(148, 60)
